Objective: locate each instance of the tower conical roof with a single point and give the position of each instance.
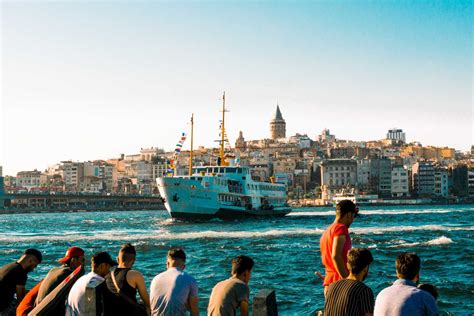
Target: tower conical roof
(278, 115)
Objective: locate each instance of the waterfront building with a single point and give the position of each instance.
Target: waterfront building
(277, 125)
(159, 168)
(73, 172)
(441, 183)
(423, 179)
(380, 176)
(470, 183)
(399, 182)
(460, 183)
(28, 179)
(397, 135)
(338, 173)
(363, 172)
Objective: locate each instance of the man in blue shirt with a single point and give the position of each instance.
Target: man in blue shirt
(403, 297)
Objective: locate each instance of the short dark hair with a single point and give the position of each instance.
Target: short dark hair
(241, 264)
(430, 288)
(345, 206)
(127, 252)
(177, 253)
(358, 259)
(408, 265)
(34, 252)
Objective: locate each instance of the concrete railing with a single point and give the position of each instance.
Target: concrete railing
(264, 303)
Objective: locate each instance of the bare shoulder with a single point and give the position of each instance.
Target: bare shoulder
(134, 275)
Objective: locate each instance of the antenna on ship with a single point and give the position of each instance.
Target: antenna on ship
(222, 151)
(191, 151)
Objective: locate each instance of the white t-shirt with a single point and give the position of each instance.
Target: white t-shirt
(170, 292)
(75, 305)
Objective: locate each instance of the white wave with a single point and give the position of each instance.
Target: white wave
(165, 234)
(162, 235)
(311, 213)
(377, 212)
(381, 230)
(443, 240)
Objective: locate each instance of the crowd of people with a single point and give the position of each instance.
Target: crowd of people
(347, 267)
(174, 292)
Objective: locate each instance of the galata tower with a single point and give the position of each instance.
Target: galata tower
(278, 125)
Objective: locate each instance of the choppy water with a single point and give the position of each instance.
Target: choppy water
(285, 250)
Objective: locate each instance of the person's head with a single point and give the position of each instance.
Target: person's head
(408, 266)
(358, 261)
(126, 256)
(176, 258)
(430, 288)
(101, 263)
(346, 211)
(30, 259)
(74, 258)
(242, 268)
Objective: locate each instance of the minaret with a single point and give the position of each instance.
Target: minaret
(278, 125)
(240, 142)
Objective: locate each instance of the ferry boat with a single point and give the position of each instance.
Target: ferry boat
(221, 191)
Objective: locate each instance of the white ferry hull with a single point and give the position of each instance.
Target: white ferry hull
(190, 200)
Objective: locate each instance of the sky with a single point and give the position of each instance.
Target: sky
(85, 80)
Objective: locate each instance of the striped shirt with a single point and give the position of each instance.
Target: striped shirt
(349, 297)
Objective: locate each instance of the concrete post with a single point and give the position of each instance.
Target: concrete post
(264, 303)
(93, 300)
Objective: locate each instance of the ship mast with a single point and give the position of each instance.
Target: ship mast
(222, 151)
(191, 151)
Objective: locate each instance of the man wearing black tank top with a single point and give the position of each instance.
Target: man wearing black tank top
(123, 284)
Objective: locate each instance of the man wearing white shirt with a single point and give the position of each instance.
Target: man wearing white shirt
(174, 292)
(100, 264)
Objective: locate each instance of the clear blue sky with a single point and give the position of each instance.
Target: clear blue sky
(87, 80)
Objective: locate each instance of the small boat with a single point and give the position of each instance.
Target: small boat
(222, 191)
(358, 199)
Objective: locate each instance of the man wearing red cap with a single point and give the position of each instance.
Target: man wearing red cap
(74, 258)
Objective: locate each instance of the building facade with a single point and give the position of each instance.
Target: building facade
(338, 173)
(396, 134)
(441, 183)
(400, 184)
(423, 179)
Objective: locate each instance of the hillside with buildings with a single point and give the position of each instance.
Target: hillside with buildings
(317, 169)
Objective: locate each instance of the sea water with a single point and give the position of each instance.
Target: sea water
(285, 250)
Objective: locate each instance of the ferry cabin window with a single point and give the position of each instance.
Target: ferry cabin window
(230, 170)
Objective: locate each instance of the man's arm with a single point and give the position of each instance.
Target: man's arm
(136, 280)
(20, 292)
(244, 308)
(336, 255)
(193, 305)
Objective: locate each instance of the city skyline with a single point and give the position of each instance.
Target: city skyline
(86, 81)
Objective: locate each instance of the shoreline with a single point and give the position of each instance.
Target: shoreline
(80, 210)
